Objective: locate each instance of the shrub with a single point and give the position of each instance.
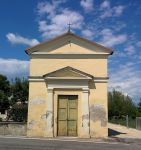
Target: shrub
(0, 119)
(18, 113)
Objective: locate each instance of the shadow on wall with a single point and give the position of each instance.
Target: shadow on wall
(113, 133)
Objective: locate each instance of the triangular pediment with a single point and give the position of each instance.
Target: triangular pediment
(67, 73)
(69, 43)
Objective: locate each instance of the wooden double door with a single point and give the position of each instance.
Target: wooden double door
(67, 115)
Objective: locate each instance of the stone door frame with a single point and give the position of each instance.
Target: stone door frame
(77, 87)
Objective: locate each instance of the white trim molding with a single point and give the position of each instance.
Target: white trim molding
(42, 79)
(70, 56)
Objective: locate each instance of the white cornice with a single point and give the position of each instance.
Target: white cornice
(46, 53)
(70, 56)
(41, 79)
(64, 78)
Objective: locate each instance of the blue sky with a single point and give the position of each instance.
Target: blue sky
(114, 24)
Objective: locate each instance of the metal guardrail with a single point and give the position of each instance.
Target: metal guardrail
(138, 123)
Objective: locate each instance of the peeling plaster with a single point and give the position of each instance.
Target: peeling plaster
(85, 120)
(31, 124)
(85, 117)
(98, 113)
(37, 101)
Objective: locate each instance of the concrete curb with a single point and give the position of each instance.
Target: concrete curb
(75, 139)
(124, 140)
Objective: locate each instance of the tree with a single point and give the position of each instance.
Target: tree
(4, 92)
(18, 112)
(110, 105)
(139, 109)
(139, 106)
(18, 102)
(120, 105)
(19, 91)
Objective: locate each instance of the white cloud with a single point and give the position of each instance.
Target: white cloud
(127, 78)
(106, 14)
(119, 26)
(49, 8)
(57, 18)
(88, 33)
(46, 7)
(108, 11)
(138, 44)
(58, 23)
(14, 67)
(17, 39)
(87, 5)
(118, 10)
(139, 57)
(105, 4)
(130, 50)
(109, 39)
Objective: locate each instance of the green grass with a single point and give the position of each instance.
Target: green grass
(131, 123)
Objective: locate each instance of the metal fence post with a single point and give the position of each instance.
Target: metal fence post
(138, 123)
(127, 121)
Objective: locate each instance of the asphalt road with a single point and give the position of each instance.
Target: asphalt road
(36, 144)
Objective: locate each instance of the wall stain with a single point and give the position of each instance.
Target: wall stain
(31, 124)
(85, 120)
(37, 101)
(85, 117)
(46, 115)
(98, 113)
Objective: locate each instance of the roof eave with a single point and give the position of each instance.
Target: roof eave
(110, 51)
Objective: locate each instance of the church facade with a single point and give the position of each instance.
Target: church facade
(68, 88)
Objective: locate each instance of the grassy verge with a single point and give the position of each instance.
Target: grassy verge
(131, 123)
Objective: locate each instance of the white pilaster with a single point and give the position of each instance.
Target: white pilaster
(85, 113)
(49, 114)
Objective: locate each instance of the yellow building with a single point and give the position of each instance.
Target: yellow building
(68, 88)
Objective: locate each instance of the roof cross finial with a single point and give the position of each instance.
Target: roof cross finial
(69, 27)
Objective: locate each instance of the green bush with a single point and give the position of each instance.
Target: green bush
(18, 113)
(0, 119)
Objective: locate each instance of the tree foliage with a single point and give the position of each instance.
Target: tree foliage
(19, 91)
(4, 92)
(121, 105)
(19, 98)
(18, 112)
(139, 106)
(14, 97)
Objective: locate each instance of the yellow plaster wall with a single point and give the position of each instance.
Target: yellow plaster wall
(73, 48)
(37, 109)
(98, 110)
(95, 67)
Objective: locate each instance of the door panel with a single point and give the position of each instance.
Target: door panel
(62, 116)
(72, 128)
(63, 102)
(62, 128)
(67, 115)
(72, 115)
